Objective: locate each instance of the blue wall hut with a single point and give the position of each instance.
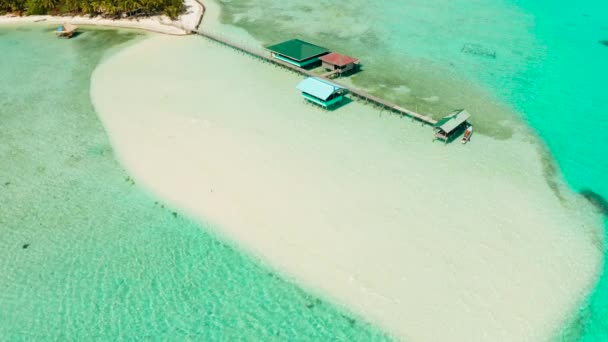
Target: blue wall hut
(66, 30)
(321, 92)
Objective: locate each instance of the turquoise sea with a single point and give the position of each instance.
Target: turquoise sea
(86, 255)
(104, 260)
(508, 61)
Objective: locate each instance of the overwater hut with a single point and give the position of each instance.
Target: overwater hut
(321, 92)
(297, 52)
(451, 125)
(66, 30)
(339, 63)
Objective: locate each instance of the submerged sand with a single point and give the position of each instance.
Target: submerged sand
(431, 242)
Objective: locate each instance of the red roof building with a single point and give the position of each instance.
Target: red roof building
(338, 60)
(339, 63)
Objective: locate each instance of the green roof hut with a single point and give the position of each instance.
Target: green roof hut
(297, 52)
(451, 125)
(321, 92)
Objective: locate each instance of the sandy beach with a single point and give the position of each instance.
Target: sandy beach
(185, 24)
(354, 204)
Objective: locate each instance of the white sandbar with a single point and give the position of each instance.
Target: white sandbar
(431, 242)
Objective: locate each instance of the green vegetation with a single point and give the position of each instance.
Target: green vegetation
(106, 8)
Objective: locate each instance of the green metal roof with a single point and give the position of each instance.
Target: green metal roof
(297, 49)
(455, 119)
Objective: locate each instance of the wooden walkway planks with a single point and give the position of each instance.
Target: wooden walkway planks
(330, 73)
(356, 92)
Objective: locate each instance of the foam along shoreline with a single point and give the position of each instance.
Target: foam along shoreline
(185, 24)
(359, 206)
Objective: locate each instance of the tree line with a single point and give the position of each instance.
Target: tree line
(106, 8)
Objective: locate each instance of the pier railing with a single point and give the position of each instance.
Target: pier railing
(265, 56)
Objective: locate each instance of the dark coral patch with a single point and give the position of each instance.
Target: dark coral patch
(599, 202)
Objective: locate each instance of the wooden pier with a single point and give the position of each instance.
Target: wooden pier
(368, 98)
(330, 73)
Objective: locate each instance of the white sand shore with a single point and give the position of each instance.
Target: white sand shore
(434, 243)
(185, 24)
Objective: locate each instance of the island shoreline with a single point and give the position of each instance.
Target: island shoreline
(186, 24)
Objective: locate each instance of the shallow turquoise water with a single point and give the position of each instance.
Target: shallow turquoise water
(567, 104)
(550, 71)
(106, 261)
(87, 255)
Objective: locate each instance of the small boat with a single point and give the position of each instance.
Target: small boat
(467, 134)
(66, 30)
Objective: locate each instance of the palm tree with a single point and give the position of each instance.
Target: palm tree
(172, 8)
(48, 5)
(129, 6)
